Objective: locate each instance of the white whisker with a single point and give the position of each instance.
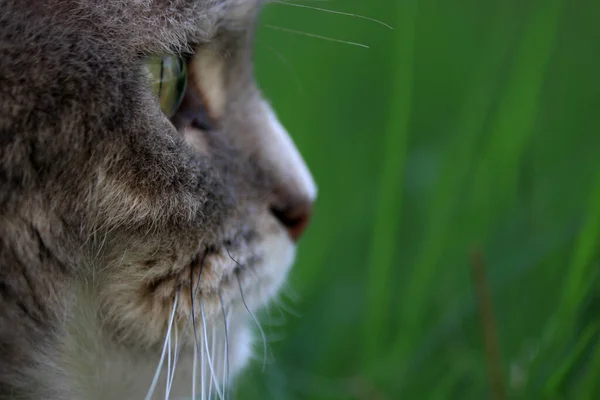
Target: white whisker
(197, 349)
(262, 333)
(168, 377)
(202, 370)
(194, 369)
(210, 366)
(225, 387)
(287, 64)
(313, 35)
(164, 350)
(334, 12)
(212, 355)
(226, 349)
(227, 363)
(175, 358)
(283, 306)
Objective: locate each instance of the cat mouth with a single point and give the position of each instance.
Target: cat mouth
(200, 266)
(211, 271)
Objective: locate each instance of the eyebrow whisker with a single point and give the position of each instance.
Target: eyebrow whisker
(313, 35)
(334, 12)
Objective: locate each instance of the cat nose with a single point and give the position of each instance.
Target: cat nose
(293, 190)
(294, 218)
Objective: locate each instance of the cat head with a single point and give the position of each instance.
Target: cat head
(139, 157)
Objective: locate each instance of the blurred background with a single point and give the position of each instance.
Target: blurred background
(465, 140)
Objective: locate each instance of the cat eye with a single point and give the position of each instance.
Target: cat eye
(168, 78)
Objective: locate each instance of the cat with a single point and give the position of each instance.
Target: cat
(150, 200)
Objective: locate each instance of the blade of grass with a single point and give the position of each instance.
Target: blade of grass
(447, 196)
(588, 388)
(546, 247)
(577, 279)
(387, 220)
(497, 171)
(589, 333)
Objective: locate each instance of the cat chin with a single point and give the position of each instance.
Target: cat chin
(260, 283)
(93, 367)
(113, 368)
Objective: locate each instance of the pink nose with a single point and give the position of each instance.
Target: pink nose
(294, 218)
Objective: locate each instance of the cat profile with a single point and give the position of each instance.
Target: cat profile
(150, 200)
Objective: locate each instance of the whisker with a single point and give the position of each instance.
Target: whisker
(228, 371)
(262, 333)
(193, 293)
(216, 364)
(164, 350)
(194, 367)
(334, 12)
(284, 307)
(209, 359)
(276, 337)
(288, 65)
(202, 370)
(212, 348)
(175, 359)
(200, 273)
(168, 377)
(275, 321)
(291, 294)
(226, 362)
(313, 35)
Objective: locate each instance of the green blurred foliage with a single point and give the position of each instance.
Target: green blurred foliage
(472, 126)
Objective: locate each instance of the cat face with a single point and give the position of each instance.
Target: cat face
(155, 208)
(255, 192)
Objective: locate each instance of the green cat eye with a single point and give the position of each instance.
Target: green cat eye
(168, 79)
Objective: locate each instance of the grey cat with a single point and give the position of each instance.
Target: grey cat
(150, 200)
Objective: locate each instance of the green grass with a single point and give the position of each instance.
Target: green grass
(472, 126)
